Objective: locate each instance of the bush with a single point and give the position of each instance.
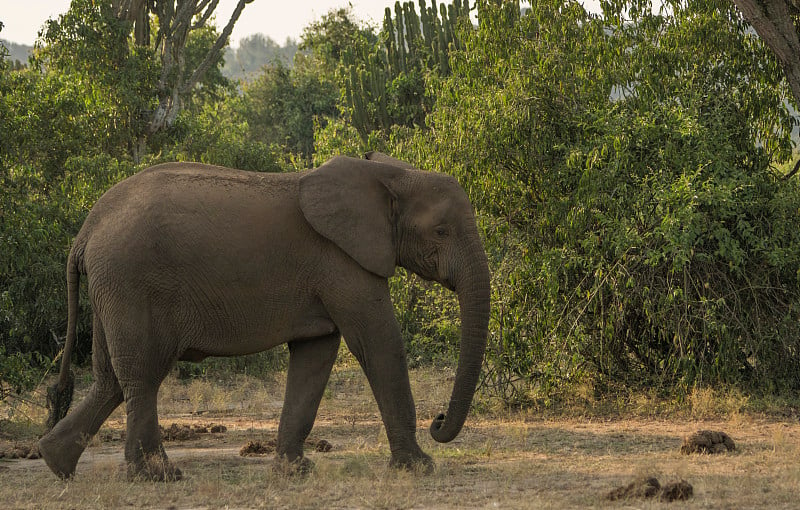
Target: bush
(262, 364)
(40, 218)
(635, 229)
(641, 239)
(217, 134)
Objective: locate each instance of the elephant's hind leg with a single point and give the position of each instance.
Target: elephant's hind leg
(144, 451)
(63, 445)
(141, 365)
(310, 364)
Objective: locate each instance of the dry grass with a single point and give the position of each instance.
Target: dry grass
(501, 459)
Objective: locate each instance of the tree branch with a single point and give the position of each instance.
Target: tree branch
(207, 14)
(772, 21)
(215, 50)
(793, 172)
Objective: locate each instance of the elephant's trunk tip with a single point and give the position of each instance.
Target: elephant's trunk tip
(441, 432)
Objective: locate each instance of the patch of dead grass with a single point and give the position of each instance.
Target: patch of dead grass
(509, 459)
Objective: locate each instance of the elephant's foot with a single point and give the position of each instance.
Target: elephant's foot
(300, 466)
(154, 467)
(61, 455)
(418, 462)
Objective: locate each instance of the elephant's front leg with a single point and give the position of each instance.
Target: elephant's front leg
(373, 336)
(310, 364)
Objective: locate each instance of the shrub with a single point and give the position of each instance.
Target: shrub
(40, 218)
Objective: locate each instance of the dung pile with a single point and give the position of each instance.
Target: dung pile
(649, 487)
(176, 432)
(641, 488)
(707, 441)
(257, 448)
(19, 451)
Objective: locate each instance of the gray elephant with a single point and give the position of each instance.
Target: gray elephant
(185, 261)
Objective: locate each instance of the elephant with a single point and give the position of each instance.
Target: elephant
(185, 261)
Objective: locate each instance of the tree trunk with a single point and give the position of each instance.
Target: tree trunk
(774, 21)
(176, 19)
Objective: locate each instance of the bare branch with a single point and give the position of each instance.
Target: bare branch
(206, 15)
(214, 52)
(183, 17)
(202, 5)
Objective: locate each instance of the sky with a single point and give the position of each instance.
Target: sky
(22, 19)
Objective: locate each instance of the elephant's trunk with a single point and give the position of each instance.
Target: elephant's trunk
(472, 287)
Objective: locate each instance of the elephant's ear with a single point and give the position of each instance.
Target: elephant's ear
(384, 158)
(348, 201)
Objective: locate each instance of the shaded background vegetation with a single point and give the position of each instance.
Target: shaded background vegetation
(627, 170)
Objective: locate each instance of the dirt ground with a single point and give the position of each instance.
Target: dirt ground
(517, 460)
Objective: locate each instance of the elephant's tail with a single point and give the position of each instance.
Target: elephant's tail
(59, 395)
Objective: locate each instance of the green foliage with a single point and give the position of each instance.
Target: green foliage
(637, 237)
(214, 85)
(52, 117)
(282, 105)
(428, 317)
(335, 34)
(16, 371)
(622, 172)
(39, 217)
(262, 364)
(269, 126)
(89, 48)
(218, 134)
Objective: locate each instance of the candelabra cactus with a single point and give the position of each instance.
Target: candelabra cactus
(378, 86)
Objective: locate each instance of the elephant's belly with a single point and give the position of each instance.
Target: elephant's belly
(244, 342)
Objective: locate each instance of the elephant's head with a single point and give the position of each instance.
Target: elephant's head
(384, 213)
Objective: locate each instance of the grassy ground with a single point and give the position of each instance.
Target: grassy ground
(500, 460)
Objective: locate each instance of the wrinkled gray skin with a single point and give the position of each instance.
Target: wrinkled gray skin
(186, 261)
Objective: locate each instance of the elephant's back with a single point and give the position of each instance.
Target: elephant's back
(171, 187)
(170, 211)
(204, 181)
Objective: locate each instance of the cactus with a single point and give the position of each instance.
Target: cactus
(410, 44)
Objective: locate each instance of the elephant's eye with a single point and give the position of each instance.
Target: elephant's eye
(441, 231)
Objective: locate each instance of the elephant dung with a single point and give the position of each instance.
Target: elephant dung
(176, 432)
(644, 487)
(20, 451)
(676, 491)
(256, 448)
(707, 441)
(649, 487)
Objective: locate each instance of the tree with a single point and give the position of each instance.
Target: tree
(166, 67)
(176, 19)
(777, 22)
(282, 105)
